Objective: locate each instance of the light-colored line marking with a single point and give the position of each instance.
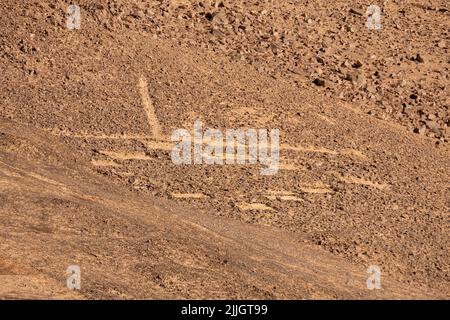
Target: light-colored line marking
(177, 195)
(326, 119)
(290, 198)
(126, 155)
(105, 163)
(253, 206)
(159, 145)
(356, 180)
(278, 193)
(149, 109)
(35, 175)
(353, 152)
(10, 173)
(308, 149)
(348, 152)
(315, 190)
(282, 195)
(98, 136)
(284, 165)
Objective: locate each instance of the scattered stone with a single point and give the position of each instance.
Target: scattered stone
(216, 32)
(434, 127)
(371, 89)
(357, 78)
(345, 64)
(220, 18)
(418, 58)
(357, 64)
(349, 28)
(270, 38)
(432, 124)
(356, 12)
(350, 76)
(319, 82)
(420, 130)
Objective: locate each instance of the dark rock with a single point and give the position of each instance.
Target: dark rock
(356, 12)
(418, 58)
(319, 82)
(357, 64)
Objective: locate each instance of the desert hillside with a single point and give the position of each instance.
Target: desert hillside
(87, 175)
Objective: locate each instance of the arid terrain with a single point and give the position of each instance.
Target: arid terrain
(87, 177)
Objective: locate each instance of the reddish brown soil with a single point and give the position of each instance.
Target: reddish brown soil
(86, 176)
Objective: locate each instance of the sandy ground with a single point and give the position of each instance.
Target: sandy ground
(86, 176)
